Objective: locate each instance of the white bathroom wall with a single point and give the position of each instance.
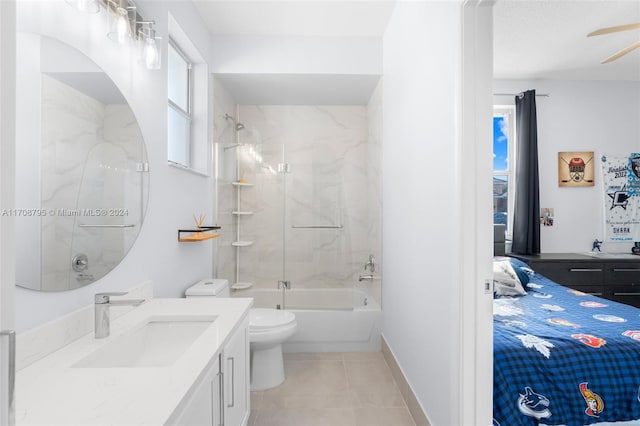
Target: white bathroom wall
(7, 177)
(420, 291)
(7, 193)
(174, 194)
(598, 116)
(297, 55)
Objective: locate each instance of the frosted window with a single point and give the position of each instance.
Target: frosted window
(179, 136)
(178, 79)
(179, 116)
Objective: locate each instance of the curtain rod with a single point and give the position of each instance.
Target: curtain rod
(544, 95)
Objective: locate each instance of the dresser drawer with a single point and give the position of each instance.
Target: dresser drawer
(571, 273)
(625, 293)
(622, 273)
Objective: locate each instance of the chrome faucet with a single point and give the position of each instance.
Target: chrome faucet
(367, 277)
(370, 265)
(102, 317)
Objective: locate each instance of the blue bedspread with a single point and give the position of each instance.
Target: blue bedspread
(562, 357)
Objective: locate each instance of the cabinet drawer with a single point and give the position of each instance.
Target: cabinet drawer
(571, 273)
(622, 273)
(628, 293)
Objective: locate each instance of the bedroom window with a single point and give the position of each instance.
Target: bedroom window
(179, 106)
(503, 165)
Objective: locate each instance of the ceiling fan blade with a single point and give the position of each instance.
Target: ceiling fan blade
(619, 28)
(622, 52)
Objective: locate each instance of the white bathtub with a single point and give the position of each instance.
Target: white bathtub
(329, 320)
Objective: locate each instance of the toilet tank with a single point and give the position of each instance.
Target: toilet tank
(211, 287)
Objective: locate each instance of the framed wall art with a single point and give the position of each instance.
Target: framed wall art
(575, 169)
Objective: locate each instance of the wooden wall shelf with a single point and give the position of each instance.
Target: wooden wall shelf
(200, 234)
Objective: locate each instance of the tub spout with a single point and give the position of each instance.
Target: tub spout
(368, 277)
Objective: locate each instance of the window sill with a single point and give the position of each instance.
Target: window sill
(188, 169)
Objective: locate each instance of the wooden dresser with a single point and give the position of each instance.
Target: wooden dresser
(614, 277)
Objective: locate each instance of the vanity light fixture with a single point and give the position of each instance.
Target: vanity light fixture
(149, 50)
(124, 26)
(120, 15)
(85, 6)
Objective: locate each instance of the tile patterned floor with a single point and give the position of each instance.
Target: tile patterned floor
(332, 389)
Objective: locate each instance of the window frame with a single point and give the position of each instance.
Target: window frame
(186, 114)
(508, 111)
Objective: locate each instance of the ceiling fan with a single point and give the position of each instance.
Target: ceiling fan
(617, 29)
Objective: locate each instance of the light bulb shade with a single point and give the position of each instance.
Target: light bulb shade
(151, 57)
(119, 26)
(85, 6)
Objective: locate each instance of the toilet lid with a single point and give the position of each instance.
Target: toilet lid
(268, 318)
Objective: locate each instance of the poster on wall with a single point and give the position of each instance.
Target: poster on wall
(634, 175)
(622, 222)
(575, 169)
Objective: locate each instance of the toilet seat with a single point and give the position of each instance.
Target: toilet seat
(263, 319)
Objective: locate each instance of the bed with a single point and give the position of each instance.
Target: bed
(562, 357)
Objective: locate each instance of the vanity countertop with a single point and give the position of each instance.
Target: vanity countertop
(52, 392)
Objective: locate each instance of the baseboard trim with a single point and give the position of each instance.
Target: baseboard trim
(415, 408)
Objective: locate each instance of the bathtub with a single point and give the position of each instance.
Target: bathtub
(329, 320)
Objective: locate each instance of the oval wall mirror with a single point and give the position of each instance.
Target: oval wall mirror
(82, 179)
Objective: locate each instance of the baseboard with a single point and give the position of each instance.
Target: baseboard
(416, 410)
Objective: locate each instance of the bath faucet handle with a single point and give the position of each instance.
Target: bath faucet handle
(371, 264)
(101, 298)
(284, 284)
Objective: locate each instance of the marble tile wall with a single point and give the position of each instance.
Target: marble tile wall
(331, 182)
(374, 121)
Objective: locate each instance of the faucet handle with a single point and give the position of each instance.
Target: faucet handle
(104, 297)
(371, 264)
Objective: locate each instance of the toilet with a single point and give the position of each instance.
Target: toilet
(268, 329)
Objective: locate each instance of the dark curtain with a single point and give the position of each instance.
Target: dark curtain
(526, 214)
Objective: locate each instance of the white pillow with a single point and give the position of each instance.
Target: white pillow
(505, 279)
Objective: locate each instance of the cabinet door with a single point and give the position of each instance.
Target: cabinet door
(236, 377)
(203, 407)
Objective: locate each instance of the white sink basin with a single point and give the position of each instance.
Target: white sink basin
(158, 342)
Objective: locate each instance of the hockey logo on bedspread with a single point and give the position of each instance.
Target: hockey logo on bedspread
(556, 363)
(634, 334)
(533, 404)
(589, 340)
(595, 404)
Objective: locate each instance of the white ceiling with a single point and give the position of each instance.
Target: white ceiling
(533, 39)
(308, 18)
(546, 39)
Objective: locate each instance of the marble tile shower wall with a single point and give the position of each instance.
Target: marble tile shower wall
(329, 184)
(88, 151)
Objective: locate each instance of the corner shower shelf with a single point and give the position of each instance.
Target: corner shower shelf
(238, 213)
(242, 243)
(198, 234)
(241, 184)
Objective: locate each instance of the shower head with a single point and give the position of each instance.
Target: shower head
(238, 126)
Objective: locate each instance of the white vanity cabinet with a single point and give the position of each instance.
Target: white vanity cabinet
(235, 368)
(221, 395)
(203, 407)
